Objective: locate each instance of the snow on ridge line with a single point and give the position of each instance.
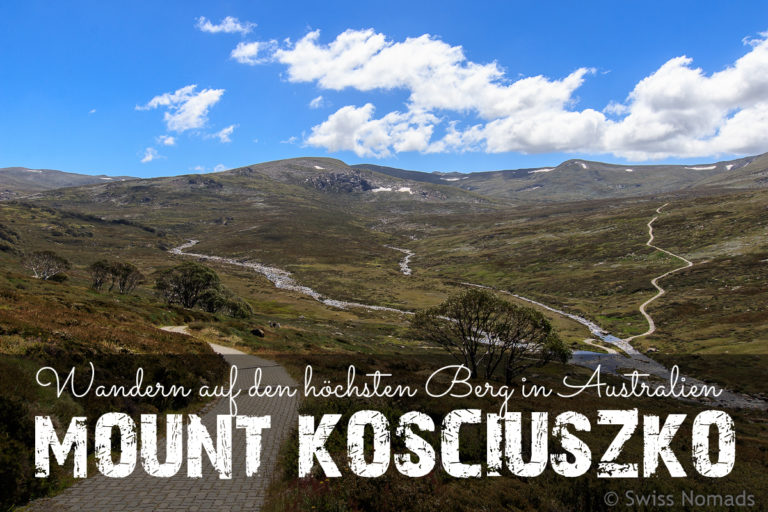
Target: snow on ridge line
(545, 169)
(390, 189)
(629, 170)
(729, 167)
(703, 168)
(450, 179)
(319, 168)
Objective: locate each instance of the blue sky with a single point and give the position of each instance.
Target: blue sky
(96, 88)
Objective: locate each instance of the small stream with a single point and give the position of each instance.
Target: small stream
(617, 364)
(281, 279)
(632, 359)
(405, 262)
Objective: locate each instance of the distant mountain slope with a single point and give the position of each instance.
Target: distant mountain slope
(355, 183)
(19, 181)
(754, 174)
(434, 178)
(282, 194)
(583, 179)
(307, 215)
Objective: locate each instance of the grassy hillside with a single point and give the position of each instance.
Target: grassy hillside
(336, 241)
(323, 222)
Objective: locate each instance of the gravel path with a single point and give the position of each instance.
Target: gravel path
(655, 281)
(591, 342)
(142, 493)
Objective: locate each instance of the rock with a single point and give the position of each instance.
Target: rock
(340, 182)
(258, 332)
(200, 181)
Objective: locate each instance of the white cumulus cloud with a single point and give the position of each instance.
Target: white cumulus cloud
(224, 134)
(677, 110)
(437, 75)
(317, 102)
(355, 129)
(149, 155)
(252, 53)
(186, 108)
(166, 140)
(228, 25)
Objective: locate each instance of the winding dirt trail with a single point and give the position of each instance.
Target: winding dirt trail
(591, 343)
(655, 281)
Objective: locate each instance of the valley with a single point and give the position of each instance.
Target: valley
(333, 260)
(620, 364)
(343, 241)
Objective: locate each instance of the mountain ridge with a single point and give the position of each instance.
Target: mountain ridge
(17, 182)
(581, 179)
(571, 180)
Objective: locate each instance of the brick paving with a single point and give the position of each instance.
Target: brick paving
(140, 492)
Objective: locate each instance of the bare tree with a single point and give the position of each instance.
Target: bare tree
(45, 264)
(485, 333)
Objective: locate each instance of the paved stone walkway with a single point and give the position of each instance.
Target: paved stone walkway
(140, 492)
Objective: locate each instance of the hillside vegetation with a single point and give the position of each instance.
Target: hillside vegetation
(337, 229)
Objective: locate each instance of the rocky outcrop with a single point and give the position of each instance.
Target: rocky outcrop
(337, 182)
(203, 182)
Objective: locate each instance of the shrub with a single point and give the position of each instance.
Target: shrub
(195, 285)
(187, 283)
(212, 300)
(238, 308)
(100, 271)
(125, 276)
